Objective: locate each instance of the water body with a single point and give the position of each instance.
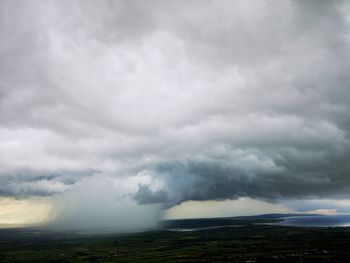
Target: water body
(316, 221)
(298, 220)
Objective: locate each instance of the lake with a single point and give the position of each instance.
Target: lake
(316, 221)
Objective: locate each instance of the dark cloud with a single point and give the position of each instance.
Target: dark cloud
(295, 177)
(183, 100)
(146, 196)
(26, 183)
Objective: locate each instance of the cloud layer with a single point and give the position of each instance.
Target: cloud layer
(183, 100)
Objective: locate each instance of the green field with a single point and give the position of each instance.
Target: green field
(249, 243)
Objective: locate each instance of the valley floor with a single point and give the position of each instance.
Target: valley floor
(249, 243)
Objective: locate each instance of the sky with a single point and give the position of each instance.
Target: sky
(121, 113)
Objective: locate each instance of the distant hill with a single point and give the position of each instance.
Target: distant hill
(196, 223)
(275, 216)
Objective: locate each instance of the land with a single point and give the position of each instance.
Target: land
(236, 240)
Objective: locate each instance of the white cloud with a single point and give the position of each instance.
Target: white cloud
(245, 96)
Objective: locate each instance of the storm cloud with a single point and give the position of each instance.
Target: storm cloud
(183, 100)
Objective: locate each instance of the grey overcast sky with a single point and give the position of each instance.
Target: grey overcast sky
(163, 102)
